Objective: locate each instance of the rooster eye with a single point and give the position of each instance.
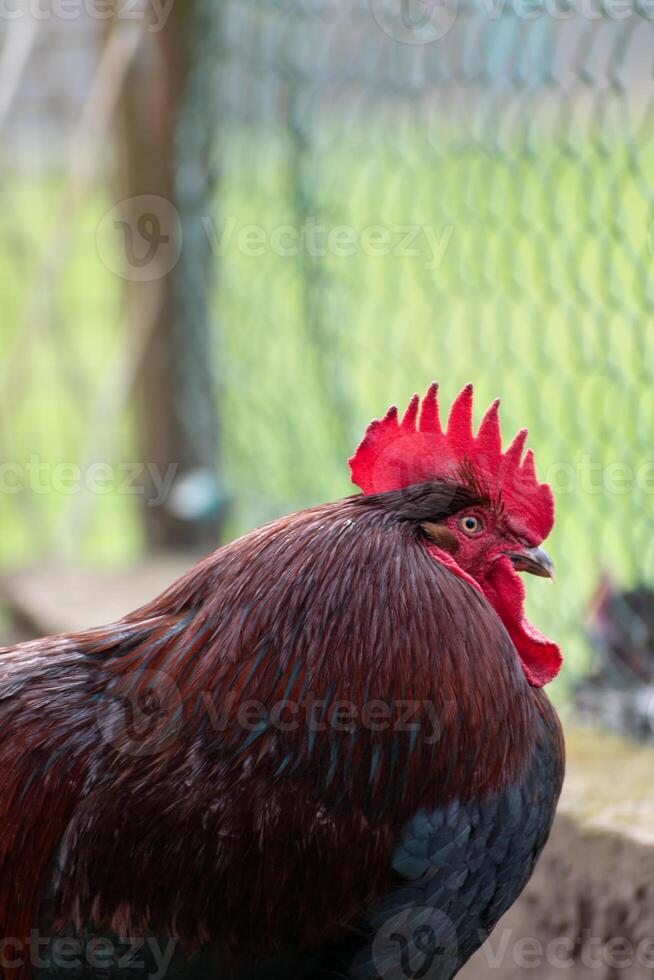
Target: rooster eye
(470, 525)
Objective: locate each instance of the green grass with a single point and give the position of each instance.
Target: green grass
(544, 296)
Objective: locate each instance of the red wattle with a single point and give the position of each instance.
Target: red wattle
(541, 658)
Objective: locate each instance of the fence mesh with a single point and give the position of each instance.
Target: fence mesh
(405, 192)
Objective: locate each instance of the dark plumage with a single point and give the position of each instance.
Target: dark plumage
(317, 754)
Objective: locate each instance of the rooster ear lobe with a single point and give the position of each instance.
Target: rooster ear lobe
(441, 536)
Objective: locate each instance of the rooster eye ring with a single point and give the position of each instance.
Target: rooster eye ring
(470, 525)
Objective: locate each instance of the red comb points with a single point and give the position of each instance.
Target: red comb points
(395, 454)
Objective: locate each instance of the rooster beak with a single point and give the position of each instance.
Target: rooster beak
(533, 560)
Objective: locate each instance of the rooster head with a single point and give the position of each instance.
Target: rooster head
(500, 513)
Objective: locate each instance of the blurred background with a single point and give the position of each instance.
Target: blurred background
(232, 233)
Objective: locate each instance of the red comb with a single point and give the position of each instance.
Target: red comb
(395, 454)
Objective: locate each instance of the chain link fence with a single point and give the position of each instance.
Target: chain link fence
(405, 191)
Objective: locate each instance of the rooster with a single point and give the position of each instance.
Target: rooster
(324, 752)
(618, 692)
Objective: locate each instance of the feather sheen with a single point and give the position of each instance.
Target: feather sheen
(259, 768)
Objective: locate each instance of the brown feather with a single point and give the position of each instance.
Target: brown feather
(215, 831)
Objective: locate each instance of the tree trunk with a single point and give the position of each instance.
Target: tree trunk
(168, 270)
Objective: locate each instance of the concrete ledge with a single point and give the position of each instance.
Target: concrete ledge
(588, 911)
(47, 600)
